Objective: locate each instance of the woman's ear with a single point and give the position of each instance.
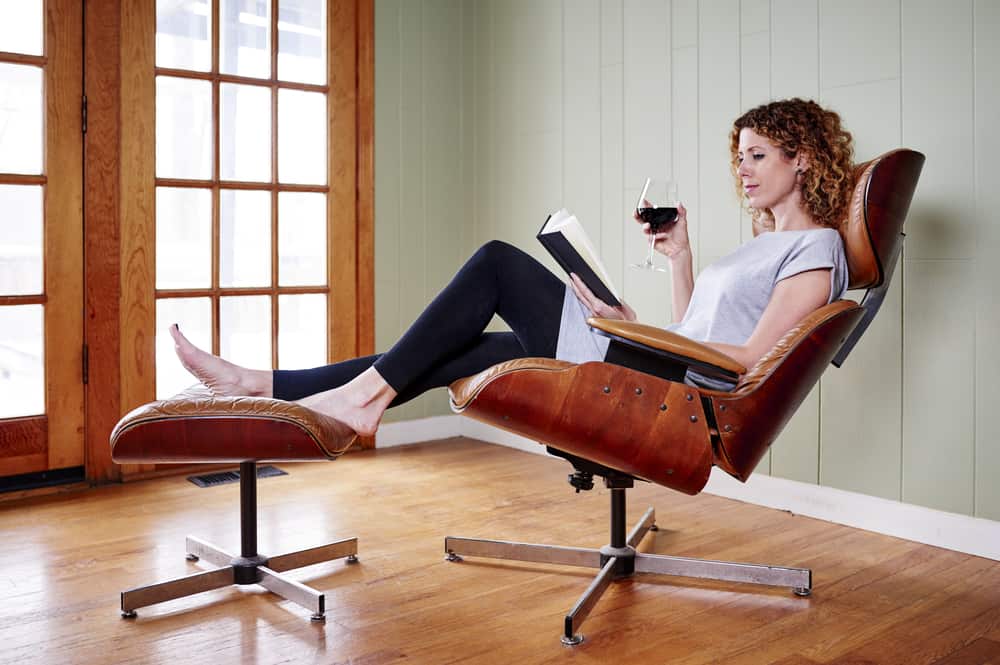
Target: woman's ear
(801, 163)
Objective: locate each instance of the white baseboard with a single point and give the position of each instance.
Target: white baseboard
(414, 431)
(972, 535)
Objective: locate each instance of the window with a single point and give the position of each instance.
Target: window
(242, 194)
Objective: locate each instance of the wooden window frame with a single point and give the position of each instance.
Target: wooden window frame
(120, 184)
(40, 443)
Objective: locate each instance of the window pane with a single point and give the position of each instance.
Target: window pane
(183, 238)
(245, 37)
(22, 27)
(245, 238)
(245, 330)
(302, 137)
(20, 240)
(20, 119)
(301, 331)
(301, 239)
(245, 139)
(194, 316)
(184, 34)
(22, 367)
(302, 41)
(183, 128)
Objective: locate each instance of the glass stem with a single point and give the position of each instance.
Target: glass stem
(649, 258)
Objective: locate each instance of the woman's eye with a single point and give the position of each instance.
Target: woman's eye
(759, 156)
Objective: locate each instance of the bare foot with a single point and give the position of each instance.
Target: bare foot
(334, 403)
(359, 404)
(221, 377)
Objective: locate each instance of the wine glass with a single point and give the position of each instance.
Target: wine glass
(656, 206)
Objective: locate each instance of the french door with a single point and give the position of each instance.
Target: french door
(42, 360)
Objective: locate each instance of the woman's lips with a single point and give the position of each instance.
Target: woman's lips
(749, 188)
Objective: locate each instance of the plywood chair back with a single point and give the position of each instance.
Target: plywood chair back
(750, 417)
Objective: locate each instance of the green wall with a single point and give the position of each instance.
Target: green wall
(492, 113)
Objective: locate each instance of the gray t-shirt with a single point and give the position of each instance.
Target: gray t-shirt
(729, 296)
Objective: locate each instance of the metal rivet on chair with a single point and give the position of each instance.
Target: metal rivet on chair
(506, 417)
(670, 472)
(638, 391)
(663, 407)
(722, 408)
(690, 397)
(607, 389)
(694, 419)
(728, 428)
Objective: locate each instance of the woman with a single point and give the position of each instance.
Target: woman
(792, 164)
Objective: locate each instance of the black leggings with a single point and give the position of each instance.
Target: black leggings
(447, 341)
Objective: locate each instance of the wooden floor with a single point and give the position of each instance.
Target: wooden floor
(876, 599)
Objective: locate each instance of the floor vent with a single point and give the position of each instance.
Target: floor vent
(223, 477)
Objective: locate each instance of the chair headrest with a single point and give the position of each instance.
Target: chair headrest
(872, 226)
(873, 229)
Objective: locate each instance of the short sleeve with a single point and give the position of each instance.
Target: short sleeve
(818, 251)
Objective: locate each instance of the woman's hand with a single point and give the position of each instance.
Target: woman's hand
(596, 306)
(672, 241)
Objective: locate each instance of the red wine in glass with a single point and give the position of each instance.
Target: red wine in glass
(658, 218)
(657, 207)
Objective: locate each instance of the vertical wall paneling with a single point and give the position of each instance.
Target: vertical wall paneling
(717, 223)
(581, 114)
(853, 49)
(484, 121)
(388, 98)
(938, 400)
(411, 228)
(538, 183)
(794, 57)
(938, 376)
(795, 73)
(442, 140)
(861, 405)
(861, 409)
(871, 112)
(755, 17)
(937, 112)
(647, 150)
(613, 206)
(987, 114)
(467, 142)
(686, 158)
(755, 69)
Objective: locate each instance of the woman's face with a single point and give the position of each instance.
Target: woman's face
(769, 177)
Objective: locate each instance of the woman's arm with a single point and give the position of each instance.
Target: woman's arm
(681, 283)
(674, 244)
(793, 299)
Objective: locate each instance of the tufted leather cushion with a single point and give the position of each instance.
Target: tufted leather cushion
(195, 426)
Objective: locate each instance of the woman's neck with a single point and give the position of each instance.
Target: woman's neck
(789, 215)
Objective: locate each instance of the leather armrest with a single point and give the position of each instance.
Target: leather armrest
(677, 348)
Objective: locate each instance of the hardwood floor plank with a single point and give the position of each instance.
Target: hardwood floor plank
(979, 652)
(65, 558)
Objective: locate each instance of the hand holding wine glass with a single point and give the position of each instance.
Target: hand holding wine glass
(658, 208)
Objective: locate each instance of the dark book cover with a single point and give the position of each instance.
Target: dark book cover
(570, 260)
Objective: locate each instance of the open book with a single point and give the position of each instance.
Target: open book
(563, 236)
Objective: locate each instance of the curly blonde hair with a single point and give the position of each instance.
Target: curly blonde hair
(799, 126)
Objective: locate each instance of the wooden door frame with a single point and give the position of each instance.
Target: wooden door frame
(40, 443)
(119, 186)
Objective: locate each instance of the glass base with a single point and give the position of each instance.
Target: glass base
(647, 265)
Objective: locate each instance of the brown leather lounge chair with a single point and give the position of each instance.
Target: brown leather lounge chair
(641, 421)
(195, 427)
